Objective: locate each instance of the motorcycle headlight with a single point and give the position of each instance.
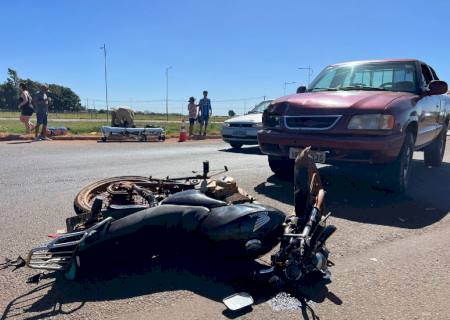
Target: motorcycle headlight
(226, 124)
(372, 122)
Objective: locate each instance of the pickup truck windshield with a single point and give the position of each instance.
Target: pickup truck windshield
(390, 76)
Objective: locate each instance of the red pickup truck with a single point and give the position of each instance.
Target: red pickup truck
(363, 112)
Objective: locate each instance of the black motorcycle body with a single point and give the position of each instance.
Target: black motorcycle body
(242, 230)
(175, 217)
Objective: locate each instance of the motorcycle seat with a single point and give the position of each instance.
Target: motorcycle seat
(193, 198)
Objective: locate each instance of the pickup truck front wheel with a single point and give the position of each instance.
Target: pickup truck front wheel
(399, 171)
(282, 168)
(434, 153)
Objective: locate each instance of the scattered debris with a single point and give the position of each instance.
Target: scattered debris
(36, 278)
(284, 301)
(18, 263)
(374, 259)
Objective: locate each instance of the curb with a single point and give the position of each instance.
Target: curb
(13, 137)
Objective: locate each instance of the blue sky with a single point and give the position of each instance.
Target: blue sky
(235, 49)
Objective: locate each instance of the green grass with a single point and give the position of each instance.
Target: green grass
(102, 116)
(84, 127)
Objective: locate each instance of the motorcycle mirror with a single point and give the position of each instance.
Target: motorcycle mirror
(238, 301)
(205, 168)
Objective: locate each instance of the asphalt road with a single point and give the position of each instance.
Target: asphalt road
(392, 252)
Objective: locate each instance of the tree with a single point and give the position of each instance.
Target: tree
(231, 113)
(60, 98)
(13, 78)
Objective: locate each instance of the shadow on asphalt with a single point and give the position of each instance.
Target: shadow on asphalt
(352, 194)
(214, 280)
(243, 150)
(20, 142)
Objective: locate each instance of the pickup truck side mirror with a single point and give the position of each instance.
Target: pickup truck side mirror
(301, 89)
(437, 87)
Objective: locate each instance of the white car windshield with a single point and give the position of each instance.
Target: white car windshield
(260, 107)
(388, 76)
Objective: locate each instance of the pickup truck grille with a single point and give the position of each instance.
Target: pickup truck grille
(311, 122)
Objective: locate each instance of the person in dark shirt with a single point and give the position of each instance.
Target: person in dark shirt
(205, 111)
(41, 108)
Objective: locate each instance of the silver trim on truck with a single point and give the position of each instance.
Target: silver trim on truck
(337, 117)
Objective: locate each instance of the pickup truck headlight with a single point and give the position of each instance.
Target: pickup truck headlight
(257, 125)
(372, 122)
(226, 124)
(272, 121)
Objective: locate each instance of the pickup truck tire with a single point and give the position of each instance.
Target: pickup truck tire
(282, 168)
(235, 145)
(434, 153)
(399, 171)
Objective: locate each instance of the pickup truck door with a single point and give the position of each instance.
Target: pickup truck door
(440, 110)
(445, 104)
(428, 108)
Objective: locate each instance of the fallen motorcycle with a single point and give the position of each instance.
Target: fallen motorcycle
(141, 216)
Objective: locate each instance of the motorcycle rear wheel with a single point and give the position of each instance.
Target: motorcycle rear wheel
(84, 199)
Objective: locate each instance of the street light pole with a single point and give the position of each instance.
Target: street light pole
(167, 92)
(106, 83)
(286, 83)
(310, 72)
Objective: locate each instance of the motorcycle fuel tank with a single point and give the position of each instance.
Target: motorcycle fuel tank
(244, 229)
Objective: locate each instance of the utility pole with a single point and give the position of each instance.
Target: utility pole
(167, 92)
(106, 84)
(310, 72)
(285, 84)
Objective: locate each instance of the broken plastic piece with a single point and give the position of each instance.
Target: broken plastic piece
(18, 263)
(238, 301)
(35, 279)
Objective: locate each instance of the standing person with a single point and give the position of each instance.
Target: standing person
(192, 108)
(25, 107)
(41, 106)
(204, 106)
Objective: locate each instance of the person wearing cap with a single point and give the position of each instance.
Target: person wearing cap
(192, 108)
(204, 106)
(41, 106)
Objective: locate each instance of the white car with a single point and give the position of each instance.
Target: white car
(242, 130)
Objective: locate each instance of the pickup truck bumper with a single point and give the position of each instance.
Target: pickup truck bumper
(374, 149)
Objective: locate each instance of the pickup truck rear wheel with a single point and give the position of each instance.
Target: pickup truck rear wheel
(282, 168)
(399, 171)
(434, 153)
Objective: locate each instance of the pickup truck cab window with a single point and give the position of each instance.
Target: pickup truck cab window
(396, 76)
(435, 77)
(426, 74)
